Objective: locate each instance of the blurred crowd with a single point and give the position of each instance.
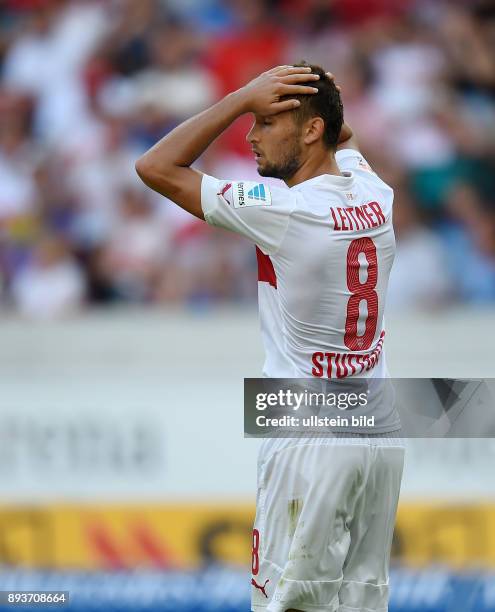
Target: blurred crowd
(87, 86)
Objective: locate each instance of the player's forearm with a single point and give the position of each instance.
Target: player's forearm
(347, 139)
(345, 133)
(183, 145)
(165, 168)
(263, 95)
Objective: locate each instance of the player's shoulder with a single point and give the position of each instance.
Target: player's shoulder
(354, 161)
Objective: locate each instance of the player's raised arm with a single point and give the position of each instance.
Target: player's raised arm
(166, 166)
(347, 138)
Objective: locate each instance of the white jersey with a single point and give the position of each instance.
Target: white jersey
(325, 248)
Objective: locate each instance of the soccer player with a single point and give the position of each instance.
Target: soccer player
(326, 505)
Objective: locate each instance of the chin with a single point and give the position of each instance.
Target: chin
(264, 170)
(260, 166)
(270, 171)
(282, 171)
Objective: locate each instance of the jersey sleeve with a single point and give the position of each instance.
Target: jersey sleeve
(255, 210)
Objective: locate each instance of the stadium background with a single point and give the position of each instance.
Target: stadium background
(128, 326)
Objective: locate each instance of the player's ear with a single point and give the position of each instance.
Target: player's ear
(314, 129)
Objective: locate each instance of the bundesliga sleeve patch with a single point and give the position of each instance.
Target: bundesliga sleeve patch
(247, 193)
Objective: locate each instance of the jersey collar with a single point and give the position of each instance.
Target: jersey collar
(340, 182)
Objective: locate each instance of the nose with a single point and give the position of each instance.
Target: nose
(252, 135)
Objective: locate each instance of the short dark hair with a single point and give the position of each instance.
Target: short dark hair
(326, 104)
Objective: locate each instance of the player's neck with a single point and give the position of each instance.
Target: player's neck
(314, 166)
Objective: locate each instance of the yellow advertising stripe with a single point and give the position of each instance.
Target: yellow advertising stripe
(185, 536)
(127, 536)
(458, 535)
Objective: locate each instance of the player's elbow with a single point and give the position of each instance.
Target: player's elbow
(161, 177)
(153, 175)
(146, 169)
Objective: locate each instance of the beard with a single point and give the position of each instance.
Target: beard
(286, 166)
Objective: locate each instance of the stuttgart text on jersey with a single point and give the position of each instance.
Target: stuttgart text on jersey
(341, 365)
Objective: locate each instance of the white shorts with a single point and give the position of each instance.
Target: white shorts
(324, 523)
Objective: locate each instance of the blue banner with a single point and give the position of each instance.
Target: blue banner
(227, 590)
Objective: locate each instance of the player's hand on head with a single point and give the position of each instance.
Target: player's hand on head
(263, 94)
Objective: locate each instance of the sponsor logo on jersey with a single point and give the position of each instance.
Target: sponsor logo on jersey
(258, 193)
(240, 194)
(259, 586)
(224, 190)
(251, 194)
